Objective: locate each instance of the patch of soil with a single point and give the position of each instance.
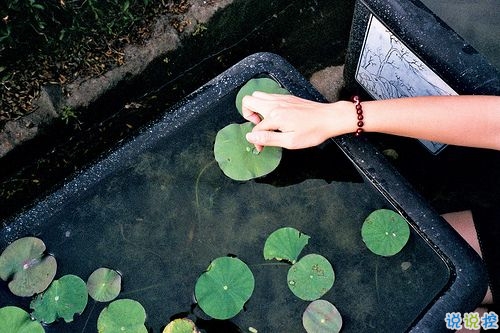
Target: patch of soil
(21, 79)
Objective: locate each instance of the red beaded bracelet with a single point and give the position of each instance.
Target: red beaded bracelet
(359, 113)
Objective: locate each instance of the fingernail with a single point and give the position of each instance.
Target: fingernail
(251, 136)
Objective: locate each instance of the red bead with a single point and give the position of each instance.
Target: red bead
(359, 112)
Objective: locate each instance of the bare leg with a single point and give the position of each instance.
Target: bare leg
(463, 223)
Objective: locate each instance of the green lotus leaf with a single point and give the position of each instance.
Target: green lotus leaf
(16, 320)
(123, 315)
(260, 84)
(63, 299)
(321, 317)
(238, 158)
(181, 325)
(104, 284)
(311, 277)
(285, 244)
(24, 262)
(224, 288)
(385, 232)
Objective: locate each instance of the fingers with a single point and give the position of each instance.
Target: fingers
(251, 116)
(270, 138)
(266, 112)
(270, 97)
(250, 109)
(279, 97)
(260, 104)
(260, 139)
(254, 109)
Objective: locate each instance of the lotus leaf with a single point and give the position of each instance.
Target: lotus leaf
(181, 325)
(224, 288)
(16, 320)
(123, 315)
(238, 158)
(104, 284)
(385, 232)
(285, 244)
(63, 299)
(322, 317)
(311, 277)
(260, 84)
(24, 262)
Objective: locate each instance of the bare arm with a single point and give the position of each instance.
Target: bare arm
(293, 123)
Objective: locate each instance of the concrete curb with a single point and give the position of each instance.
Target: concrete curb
(82, 93)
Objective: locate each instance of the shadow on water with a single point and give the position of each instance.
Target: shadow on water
(325, 162)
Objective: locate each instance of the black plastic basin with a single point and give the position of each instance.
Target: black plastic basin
(158, 209)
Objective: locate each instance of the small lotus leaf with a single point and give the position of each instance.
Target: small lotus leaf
(123, 315)
(104, 284)
(24, 262)
(224, 288)
(238, 158)
(16, 320)
(181, 325)
(63, 299)
(322, 317)
(311, 277)
(385, 232)
(260, 84)
(285, 244)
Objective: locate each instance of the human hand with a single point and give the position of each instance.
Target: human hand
(287, 121)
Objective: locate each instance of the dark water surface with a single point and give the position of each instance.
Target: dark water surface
(168, 211)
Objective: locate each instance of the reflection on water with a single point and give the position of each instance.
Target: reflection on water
(162, 218)
(477, 21)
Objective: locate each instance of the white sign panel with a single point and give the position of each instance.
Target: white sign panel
(389, 69)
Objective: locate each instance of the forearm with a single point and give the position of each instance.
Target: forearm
(459, 120)
(291, 122)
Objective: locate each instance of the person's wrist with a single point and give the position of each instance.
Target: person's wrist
(342, 119)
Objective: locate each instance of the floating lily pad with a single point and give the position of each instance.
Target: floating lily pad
(181, 325)
(24, 262)
(123, 315)
(311, 277)
(285, 244)
(238, 158)
(385, 232)
(260, 84)
(63, 299)
(224, 288)
(322, 317)
(16, 320)
(104, 284)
